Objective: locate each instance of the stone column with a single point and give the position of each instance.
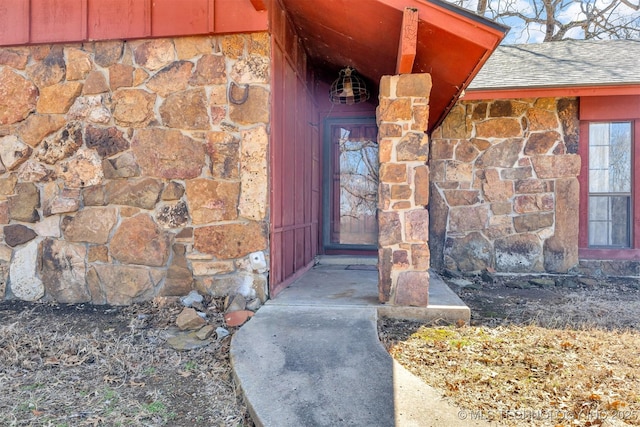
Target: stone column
(403, 218)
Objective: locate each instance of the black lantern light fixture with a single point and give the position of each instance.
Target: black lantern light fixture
(349, 88)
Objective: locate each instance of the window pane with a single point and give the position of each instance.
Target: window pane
(598, 179)
(599, 157)
(598, 133)
(620, 214)
(609, 221)
(610, 157)
(598, 234)
(598, 208)
(620, 157)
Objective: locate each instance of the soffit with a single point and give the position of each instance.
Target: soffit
(452, 44)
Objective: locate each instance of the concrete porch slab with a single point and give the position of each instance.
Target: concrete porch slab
(336, 284)
(312, 357)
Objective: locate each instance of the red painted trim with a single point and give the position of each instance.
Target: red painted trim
(258, 5)
(583, 180)
(84, 12)
(293, 227)
(599, 108)
(279, 287)
(25, 31)
(408, 41)
(635, 229)
(551, 92)
(610, 254)
(211, 7)
(351, 252)
(463, 27)
(604, 107)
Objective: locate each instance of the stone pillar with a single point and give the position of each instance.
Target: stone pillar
(403, 218)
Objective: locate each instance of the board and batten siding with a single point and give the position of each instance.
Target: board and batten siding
(53, 21)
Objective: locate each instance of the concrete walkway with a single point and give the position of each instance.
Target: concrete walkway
(311, 356)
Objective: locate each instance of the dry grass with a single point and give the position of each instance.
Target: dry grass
(97, 366)
(569, 359)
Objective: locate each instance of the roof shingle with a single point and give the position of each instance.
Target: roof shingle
(561, 64)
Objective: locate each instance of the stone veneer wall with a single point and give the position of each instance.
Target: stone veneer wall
(403, 255)
(127, 173)
(504, 191)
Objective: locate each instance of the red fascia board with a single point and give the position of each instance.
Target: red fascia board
(551, 92)
(460, 25)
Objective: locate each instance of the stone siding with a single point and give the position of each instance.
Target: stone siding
(137, 169)
(504, 187)
(403, 218)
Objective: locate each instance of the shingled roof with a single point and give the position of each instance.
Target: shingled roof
(568, 63)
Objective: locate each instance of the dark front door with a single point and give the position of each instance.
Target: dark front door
(350, 185)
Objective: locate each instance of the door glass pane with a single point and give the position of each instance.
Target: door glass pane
(356, 195)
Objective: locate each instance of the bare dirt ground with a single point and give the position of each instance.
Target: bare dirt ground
(89, 365)
(555, 351)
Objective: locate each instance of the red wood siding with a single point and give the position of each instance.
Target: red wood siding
(605, 108)
(48, 21)
(14, 21)
(295, 159)
(58, 20)
(192, 17)
(106, 19)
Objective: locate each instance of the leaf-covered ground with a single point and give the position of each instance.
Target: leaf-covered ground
(558, 356)
(109, 366)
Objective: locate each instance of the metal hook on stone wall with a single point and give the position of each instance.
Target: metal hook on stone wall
(244, 96)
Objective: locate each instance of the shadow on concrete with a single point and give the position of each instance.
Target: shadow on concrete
(312, 357)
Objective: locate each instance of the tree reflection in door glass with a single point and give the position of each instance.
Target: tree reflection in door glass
(358, 189)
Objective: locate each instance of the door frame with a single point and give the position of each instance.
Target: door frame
(327, 246)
